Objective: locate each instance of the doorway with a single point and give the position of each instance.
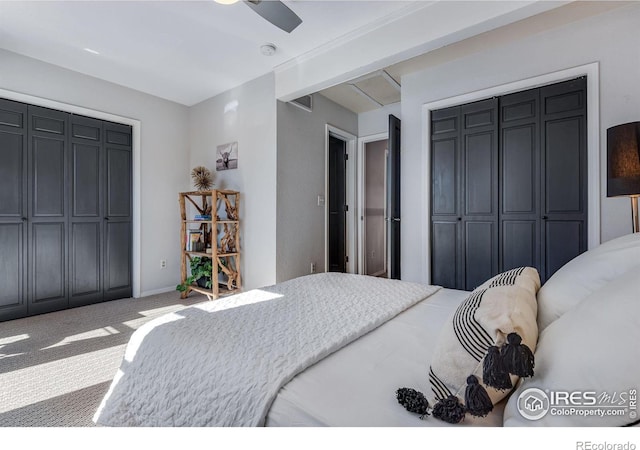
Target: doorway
(340, 234)
(374, 210)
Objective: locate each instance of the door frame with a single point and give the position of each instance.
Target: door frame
(351, 191)
(135, 169)
(361, 190)
(592, 72)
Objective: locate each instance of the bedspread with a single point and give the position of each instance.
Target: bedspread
(222, 363)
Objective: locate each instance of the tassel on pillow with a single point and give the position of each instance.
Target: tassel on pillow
(449, 409)
(413, 401)
(516, 357)
(476, 399)
(494, 373)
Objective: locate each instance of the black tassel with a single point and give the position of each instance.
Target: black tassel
(476, 399)
(449, 409)
(413, 401)
(493, 371)
(517, 358)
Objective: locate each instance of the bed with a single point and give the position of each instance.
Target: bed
(332, 349)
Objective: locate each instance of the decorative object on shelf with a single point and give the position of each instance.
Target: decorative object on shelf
(202, 178)
(623, 160)
(215, 240)
(227, 156)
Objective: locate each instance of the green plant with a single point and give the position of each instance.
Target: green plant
(201, 268)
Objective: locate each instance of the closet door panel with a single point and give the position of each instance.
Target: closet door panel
(48, 177)
(11, 267)
(12, 173)
(519, 174)
(564, 240)
(85, 260)
(563, 176)
(118, 257)
(444, 175)
(118, 183)
(445, 254)
(479, 174)
(481, 252)
(48, 267)
(519, 244)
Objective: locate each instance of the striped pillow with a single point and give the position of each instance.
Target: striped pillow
(503, 305)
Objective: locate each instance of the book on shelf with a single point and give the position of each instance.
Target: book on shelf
(202, 217)
(194, 240)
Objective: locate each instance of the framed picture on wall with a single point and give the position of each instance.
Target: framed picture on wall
(227, 157)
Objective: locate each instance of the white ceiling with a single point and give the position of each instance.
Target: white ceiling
(189, 51)
(184, 51)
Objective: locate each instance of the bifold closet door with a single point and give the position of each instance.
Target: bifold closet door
(117, 211)
(464, 194)
(13, 209)
(48, 210)
(86, 228)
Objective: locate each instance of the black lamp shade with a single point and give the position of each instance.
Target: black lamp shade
(623, 159)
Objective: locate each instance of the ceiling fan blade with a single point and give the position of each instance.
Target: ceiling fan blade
(277, 13)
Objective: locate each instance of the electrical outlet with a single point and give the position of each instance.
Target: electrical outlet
(313, 267)
(163, 263)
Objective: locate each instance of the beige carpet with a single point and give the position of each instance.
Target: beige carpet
(55, 368)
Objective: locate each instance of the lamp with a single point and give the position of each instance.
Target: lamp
(623, 159)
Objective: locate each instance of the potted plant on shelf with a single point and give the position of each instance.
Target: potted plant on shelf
(201, 269)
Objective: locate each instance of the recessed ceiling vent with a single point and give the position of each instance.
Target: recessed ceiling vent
(305, 102)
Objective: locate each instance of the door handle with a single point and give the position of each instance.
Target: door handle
(24, 219)
(544, 217)
(106, 218)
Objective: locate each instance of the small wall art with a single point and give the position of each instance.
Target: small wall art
(227, 157)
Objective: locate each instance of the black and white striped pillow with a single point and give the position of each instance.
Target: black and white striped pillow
(502, 305)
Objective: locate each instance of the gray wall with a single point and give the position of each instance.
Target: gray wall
(377, 121)
(246, 114)
(301, 178)
(524, 50)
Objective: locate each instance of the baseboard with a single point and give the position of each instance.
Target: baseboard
(158, 291)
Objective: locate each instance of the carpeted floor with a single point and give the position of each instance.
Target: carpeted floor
(55, 368)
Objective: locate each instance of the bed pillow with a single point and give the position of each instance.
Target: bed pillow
(474, 338)
(584, 274)
(591, 353)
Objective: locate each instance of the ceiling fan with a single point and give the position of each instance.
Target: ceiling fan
(276, 12)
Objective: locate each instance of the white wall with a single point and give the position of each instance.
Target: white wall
(252, 123)
(377, 120)
(612, 39)
(301, 178)
(164, 146)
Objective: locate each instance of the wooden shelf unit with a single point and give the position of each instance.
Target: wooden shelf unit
(221, 234)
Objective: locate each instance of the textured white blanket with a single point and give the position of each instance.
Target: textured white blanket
(222, 363)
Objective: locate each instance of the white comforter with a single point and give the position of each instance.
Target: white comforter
(222, 363)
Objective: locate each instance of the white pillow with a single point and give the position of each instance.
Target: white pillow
(590, 351)
(585, 274)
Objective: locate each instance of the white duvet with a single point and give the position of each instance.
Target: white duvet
(222, 363)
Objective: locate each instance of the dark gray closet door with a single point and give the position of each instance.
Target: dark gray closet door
(564, 183)
(479, 140)
(393, 196)
(446, 210)
(48, 210)
(337, 205)
(86, 220)
(117, 211)
(13, 209)
(520, 180)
